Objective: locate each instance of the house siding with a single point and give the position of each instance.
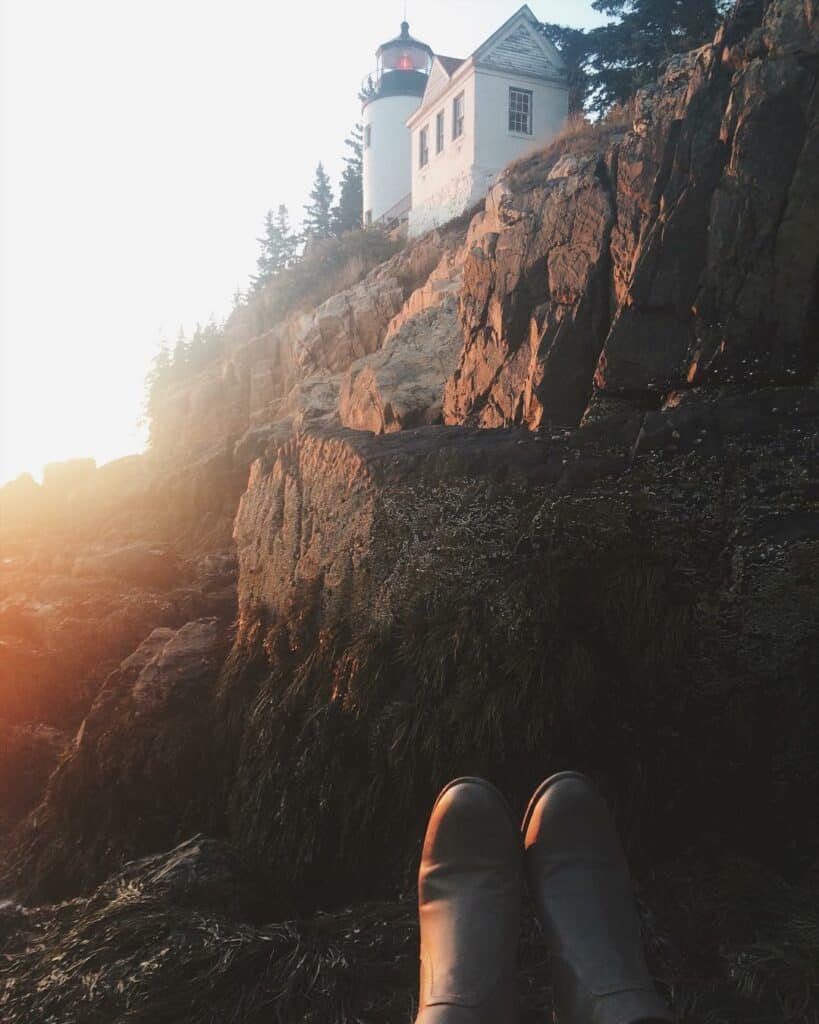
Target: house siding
(495, 145)
(520, 52)
(445, 187)
(515, 57)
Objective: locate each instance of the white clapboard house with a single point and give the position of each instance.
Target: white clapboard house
(437, 130)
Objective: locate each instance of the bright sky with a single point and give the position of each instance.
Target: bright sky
(141, 142)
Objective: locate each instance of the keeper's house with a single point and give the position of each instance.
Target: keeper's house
(437, 130)
(478, 114)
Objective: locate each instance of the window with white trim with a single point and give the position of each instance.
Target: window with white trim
(368, 135)
(423, 147)
(439, 133)
(520, 111)
(458, 116)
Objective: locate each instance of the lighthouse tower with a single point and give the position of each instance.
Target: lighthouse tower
(390, 94)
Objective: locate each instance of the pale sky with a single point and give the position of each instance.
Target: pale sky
(141, 142)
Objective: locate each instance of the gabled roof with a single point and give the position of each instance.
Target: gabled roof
(518, 46)
(443, 68)
(449, 64)
(523, 22)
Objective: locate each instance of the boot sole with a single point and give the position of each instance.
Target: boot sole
(543, 787)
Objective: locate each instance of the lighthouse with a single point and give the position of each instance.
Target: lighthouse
(390, 95)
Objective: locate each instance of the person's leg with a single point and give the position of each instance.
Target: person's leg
(469, 889)
(583, 893)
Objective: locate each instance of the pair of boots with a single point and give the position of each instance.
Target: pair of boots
(469, 895)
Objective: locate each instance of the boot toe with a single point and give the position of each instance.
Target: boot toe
(579, 878)
(471, 822)
(469, 888)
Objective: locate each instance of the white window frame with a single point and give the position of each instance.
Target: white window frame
(458, 120)
(368, 136)
(519, 112)
(423, 147)
(440, 132)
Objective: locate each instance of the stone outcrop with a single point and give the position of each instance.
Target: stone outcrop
(684, 255)
(407, 589)
(142, 755)
(535, 303)
(402, 385)
(715, 270)
(28, 756)
(292, 370)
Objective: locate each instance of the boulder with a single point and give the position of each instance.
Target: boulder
(28, 756)
(140, 563)
(401, 386)
(141, 771)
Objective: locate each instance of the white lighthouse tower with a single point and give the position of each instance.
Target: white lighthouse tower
(390, 95)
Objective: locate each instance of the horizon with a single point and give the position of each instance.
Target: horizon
(139, 154)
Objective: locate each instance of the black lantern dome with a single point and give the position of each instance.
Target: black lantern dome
(403, 68)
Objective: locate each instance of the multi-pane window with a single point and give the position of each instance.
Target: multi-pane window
(520, 111)
(368, 134)
(423, 147)
(458, 116)
(439, 133)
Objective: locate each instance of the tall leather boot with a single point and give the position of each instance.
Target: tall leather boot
(583, 892)
(469, 893)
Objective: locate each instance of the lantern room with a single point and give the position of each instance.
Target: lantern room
(389, 95)
(403, 66)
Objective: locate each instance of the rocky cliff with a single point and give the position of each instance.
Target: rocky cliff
(234, 685)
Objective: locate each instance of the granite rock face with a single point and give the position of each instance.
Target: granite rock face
(535, 304)
(141, 755)
(684, 255)
(292, 370)
(28, 756)
(402, 385)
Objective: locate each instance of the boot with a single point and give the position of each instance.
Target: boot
(580, 882)
(469, 893)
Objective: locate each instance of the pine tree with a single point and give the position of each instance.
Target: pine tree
(573, 44)
(318, 217)
(179, 361)
(157, 380)
(347, 216)
(630, 52)
(196, 349)
(279, 247)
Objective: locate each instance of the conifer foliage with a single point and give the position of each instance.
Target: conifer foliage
(347, 216)
(607, 65)
(318, 213)
(279, 247)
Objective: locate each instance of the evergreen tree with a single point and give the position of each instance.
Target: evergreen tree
(629, 53)
(205, 345)
(158, 376)
(196, 349)
(347, 216)
(318, 216)
(179, 361)
(157, 380)
(279, 247)
(573, 44)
